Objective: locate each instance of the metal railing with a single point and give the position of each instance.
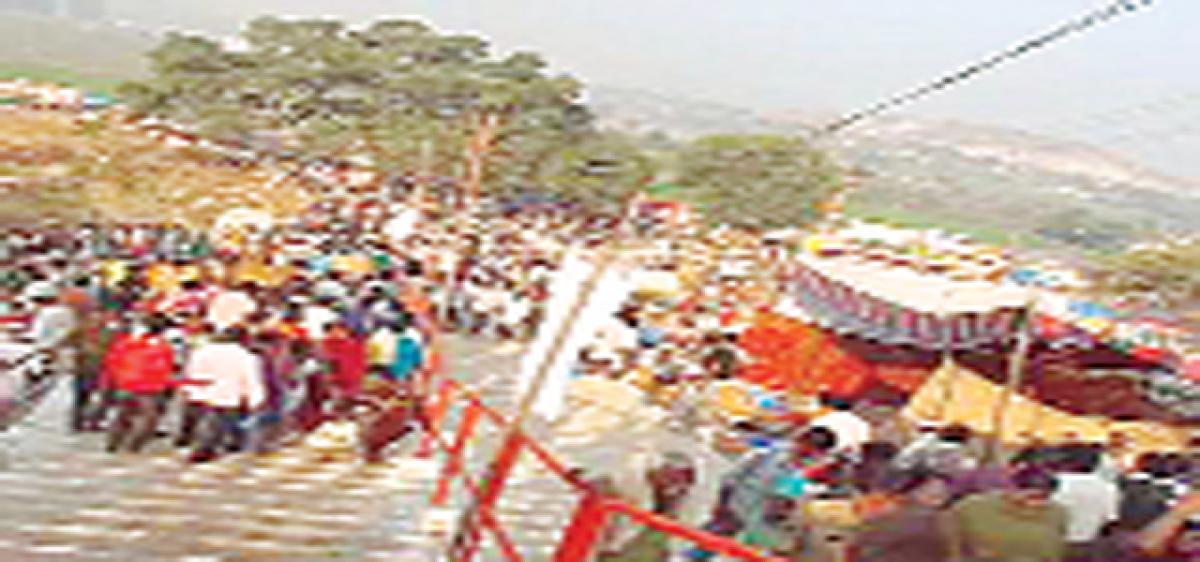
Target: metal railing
(585, 530)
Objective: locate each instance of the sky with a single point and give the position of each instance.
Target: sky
(1132, 85)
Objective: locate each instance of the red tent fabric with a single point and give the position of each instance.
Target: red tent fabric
(790, 355)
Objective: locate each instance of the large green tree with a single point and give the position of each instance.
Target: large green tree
(761, 181)
(1168, 274)
(412, 98)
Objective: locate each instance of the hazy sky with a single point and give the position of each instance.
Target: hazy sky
(1132, 84)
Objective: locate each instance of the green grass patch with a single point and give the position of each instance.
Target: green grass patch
(10, 70)
(897, 216)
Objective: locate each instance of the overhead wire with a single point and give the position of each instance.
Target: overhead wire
(1073, 27)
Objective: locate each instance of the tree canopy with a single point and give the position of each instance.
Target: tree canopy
(763, 181)
(408, 96)
(419, 101)
(1168, 274)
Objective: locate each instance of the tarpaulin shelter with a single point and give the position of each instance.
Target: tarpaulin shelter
(957, 394)
(791, 355)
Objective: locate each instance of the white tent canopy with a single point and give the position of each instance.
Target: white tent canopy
(922, 292)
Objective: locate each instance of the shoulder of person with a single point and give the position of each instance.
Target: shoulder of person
(974, 502)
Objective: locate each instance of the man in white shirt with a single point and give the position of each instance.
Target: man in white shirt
(851, 430)
(52, 321)
(317, 316)
(53, 325)
(225, 380)
(231, 307)
(1091, 501)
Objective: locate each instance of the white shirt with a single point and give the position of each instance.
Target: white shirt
(1091, 502)
(226, 375)
(229, 308)
(850, 429)
(51, 325)
(315, 319)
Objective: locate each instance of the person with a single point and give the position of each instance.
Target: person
(97, 332)
(278, 363)
(318, 314)
(232, 307)
(54, 325)
(759, 496)
(224, 379)
(409, 354)
(851, 430)
(941, 449)
(873, 466)
(1091, 501)
(905, 527)
(139, 369)
(381, 346)
(669, 478)
(1173, 537)
(1020, 524)
(345, 355)
(397, 412)
(1148, 491)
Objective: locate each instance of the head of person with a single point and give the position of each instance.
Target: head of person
(836, 403)
(1081, 458)
(42, 293)
(399, 322)
(878, 452)
(673, 473)
(1118, 442)
(1177, 464)
(1032, 486)
(957, 434)
(337, 329)
(916, 487)
(234, 334)
(1186, 542)
(814, 441)
(156, 324)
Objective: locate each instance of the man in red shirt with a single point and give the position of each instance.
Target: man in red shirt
(346, 355)
(138, 368)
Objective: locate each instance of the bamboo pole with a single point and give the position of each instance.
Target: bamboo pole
(1016, 375)
(468, 532)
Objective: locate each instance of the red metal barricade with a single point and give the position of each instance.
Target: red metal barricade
(584, 531)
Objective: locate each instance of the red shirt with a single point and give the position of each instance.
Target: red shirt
(348, 362)
(139, 364)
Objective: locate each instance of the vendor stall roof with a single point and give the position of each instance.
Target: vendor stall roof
(914, 290)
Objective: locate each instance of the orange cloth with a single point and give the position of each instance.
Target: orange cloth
(792, 356)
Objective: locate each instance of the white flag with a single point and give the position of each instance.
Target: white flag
(605, 299)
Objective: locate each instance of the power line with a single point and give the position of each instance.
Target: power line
(1073, 27)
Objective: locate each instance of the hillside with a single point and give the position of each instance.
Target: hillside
(53, 165)
(1000, 185)
(95, 57)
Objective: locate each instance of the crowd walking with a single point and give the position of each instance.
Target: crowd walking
(176, 335)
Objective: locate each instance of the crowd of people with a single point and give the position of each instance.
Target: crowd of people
(252, 342)
(156, 323)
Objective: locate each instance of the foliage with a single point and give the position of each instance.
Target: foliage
(1170, 273)
(397, 91)
(758, 180)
